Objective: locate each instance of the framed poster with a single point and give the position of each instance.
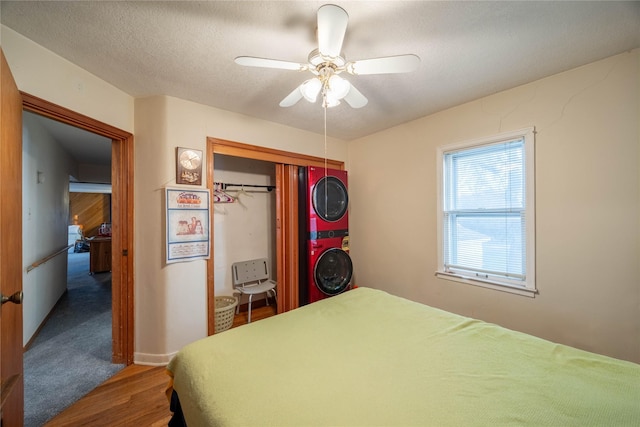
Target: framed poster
(187, 224)
(188, 166)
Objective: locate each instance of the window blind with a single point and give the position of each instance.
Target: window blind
(484, 211)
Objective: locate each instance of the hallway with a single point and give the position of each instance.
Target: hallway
(72, 353)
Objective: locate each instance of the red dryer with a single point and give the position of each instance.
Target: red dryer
(329, 267)
(327, 203)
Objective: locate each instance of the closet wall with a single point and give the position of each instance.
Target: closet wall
(246, 228)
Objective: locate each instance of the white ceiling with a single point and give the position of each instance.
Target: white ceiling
(186, 49)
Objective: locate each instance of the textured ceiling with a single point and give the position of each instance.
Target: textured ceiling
(186, 49)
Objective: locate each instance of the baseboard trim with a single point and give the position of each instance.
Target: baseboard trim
(152, 359)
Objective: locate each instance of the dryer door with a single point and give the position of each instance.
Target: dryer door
(330, 198)
(332, 271)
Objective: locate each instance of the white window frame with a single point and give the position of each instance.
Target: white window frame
(526, 287)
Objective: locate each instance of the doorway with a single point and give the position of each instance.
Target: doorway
(122, 217)
(68, 310)
(66, 313)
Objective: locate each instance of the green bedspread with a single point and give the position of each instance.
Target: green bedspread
(367, 358)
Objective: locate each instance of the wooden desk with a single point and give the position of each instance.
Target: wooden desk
(99, 255)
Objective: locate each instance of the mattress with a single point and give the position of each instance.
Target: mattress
(367, 358)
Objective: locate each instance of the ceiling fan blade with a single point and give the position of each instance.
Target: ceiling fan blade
(355, 99)
(386, 65)
(252, 61)
(292, 98)
(332, 25)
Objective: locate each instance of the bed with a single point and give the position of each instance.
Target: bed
(368, 358)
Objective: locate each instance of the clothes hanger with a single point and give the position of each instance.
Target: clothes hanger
(220, 196)
(242, 191)
(238, 193)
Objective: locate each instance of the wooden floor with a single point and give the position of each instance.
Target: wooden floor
(134, 396)
(256, 314)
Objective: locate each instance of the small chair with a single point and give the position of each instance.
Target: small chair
(252, 278)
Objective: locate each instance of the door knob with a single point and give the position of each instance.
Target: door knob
(15, 298)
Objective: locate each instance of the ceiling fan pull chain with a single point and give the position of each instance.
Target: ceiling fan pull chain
(326, 193)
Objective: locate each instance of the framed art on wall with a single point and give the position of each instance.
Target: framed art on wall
(187, 224)
(188, 166)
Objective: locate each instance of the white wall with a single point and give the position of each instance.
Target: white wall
(246, 228)
(45, 217)
(587, 211)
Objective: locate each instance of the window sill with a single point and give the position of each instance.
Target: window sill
(518, 290)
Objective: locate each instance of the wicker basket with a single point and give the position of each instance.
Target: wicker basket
(225, 310)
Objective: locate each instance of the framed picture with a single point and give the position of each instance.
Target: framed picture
(187, 224)
(188, 166)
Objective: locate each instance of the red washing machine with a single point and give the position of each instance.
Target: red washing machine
(328, 268)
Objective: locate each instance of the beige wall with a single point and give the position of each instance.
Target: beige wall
(42, 73)
(170, 309)
(587, 211)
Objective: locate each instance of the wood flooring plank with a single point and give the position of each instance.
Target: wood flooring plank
(133, 396)
(256, 314)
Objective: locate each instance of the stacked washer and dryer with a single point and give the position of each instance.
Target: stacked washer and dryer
(325, 265)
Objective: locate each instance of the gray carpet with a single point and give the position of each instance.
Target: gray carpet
(72, 353)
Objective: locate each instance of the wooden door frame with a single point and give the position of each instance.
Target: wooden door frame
(287, 206)
(287, 235)
(122, 218)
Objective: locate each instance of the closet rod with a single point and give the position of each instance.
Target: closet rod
(226, 185)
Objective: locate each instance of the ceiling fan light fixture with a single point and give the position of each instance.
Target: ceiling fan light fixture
(330, 101)
(338, 87)
(310, 89)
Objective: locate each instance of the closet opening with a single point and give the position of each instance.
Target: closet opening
(284, 242)
(244, 222)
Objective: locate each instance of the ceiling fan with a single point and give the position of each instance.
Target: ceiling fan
(327, 62)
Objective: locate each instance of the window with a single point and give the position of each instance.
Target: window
(486, 234)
